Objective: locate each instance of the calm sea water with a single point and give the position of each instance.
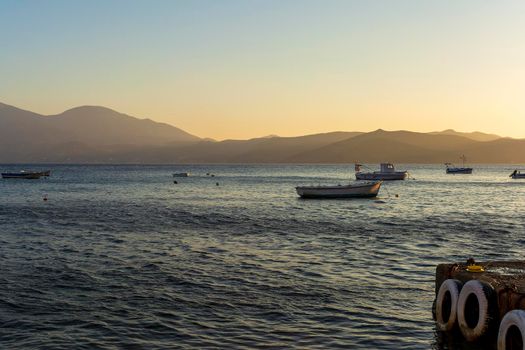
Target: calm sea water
(120, 257)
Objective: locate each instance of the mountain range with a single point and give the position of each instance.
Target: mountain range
(92, 134)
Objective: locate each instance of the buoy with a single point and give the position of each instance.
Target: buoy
(475, 309)
(216, 184)
(511, 333)
(475, 268)
(446, 304)
(472, 266)
(45, 197)
(175, 182)
(397, 196)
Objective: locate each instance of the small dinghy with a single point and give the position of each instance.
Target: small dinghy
(451, 169)
(516, 174)
(357, 190)
(387, 172)
(181, 174)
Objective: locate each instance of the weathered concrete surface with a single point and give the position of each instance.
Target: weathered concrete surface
(507, 278)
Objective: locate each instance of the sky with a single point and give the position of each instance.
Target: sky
(247, 68)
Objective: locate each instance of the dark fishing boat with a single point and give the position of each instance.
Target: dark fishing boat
(451, 169)
(516, 174)
(22, 175)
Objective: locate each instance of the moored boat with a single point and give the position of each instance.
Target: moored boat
(181, 174)
(451, 169)
(357, 190)
(22, 175)
(387, 172)
(517, 174)
(455, 170)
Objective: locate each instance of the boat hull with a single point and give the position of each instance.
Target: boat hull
(29, 176)
(181, 175)
(349, 191)
(390, 176)
(459, 170)
(518, 176)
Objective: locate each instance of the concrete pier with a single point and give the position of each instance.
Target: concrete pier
(507, 278)
(477, 298)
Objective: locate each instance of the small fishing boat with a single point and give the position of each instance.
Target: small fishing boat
(357, 190)
(451, 169)
(387, 172)
(516, 174)
(22, 175)
(181, 174)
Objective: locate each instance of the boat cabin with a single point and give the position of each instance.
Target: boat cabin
(387, 168)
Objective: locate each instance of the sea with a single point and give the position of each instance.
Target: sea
(121, 257)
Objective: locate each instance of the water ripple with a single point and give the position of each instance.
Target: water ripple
(119, 257)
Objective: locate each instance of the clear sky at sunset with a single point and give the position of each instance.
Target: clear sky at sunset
(241, 69)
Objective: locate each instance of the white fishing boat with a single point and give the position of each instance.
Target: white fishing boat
(355, 190)
(517, 174)
(451, 169)
(181, 174)
(387, 172)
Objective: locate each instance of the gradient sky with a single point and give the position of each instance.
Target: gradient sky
(241, 69)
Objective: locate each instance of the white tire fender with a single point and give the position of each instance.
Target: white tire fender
(511, 333)
(475, 309)
(446, 304)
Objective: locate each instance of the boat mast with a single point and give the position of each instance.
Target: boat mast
(464, 159)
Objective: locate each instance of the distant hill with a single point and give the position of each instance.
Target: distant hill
(476, 135)
(92, 134)
(258, 150)
(340, 147)
(349, 147)
(394, 146)
(28, 136)
(94, 125)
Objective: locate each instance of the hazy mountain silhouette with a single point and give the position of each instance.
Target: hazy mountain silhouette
(373, 147)
(95, 125)
(100, 135)
(476, 135)
(87, 130)
(394, 146)
(341, 147)
(260, 150)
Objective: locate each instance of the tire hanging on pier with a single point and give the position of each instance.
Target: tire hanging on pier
(476, 309)
(446, 304)
(511, 333)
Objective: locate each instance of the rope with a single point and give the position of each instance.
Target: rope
(387, 192)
